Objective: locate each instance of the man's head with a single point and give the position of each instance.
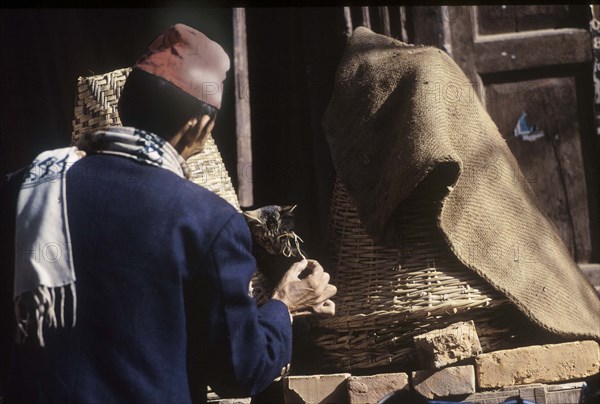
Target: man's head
(175, 88)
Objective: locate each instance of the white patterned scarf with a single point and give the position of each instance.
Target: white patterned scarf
(43, 256)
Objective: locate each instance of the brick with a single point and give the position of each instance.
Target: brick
(493, 397)
(539, 393)
(439, 348)
(316, 389)
(531, 392)
(564, 393)
(451, 381)
(538, 364)
(562, 397)
(371, 389)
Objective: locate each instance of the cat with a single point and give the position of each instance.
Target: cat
(275, 246)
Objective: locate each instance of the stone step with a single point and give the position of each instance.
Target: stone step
(442, 347)
(316, 389)
(371, 389)
(566, 393)
(524, 372)
(538, 364)
(450, 381)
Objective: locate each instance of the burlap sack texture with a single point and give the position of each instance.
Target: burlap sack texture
(400, 113)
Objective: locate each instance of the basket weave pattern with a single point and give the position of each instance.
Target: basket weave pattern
(387, 295)
(96, 107)
(208, 170)
(97, 98)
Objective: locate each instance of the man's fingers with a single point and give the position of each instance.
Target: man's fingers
(328, 303)
(329, 291)
(315, 267)
(327, 307)
(297, 268)
(318, 282)
(326, 292)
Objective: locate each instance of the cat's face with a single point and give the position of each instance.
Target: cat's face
(270, 225)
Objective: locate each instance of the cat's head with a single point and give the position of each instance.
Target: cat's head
(271, 226)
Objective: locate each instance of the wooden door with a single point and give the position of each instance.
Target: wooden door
(531, 66)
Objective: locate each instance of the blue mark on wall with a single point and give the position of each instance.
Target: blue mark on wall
(526, 131)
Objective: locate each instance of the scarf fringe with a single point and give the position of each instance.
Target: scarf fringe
(38, 215)
(38, 307)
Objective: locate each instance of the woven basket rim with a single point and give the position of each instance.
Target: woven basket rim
(96, 107)
(385, 296)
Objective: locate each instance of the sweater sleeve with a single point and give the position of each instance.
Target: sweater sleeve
(249, 346)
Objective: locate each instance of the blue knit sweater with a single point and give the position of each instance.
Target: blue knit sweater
(163, 268)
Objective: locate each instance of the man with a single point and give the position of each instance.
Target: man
(147, 299)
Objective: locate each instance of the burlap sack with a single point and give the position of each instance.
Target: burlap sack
(400, 113)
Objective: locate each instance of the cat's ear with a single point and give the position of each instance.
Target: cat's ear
(252, 216)
(288, 209)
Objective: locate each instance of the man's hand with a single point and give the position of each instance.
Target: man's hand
(307, 292)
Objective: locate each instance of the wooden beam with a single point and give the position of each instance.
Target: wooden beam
(348, 28)
(366, 17)
(457, 36)
(242, 109)
(526, 50)
(403, 31)
(426, 24)
(446, 31)
(384, 17)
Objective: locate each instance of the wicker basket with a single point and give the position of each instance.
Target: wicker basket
(96, 107)
(97, 98)
(208, 170)
(388, 295)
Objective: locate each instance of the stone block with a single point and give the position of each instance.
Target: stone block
(316, 389)
(439, 348)
(451, 381)
(538, 364)
(538, 393)
(564, 393)
(371, 389)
